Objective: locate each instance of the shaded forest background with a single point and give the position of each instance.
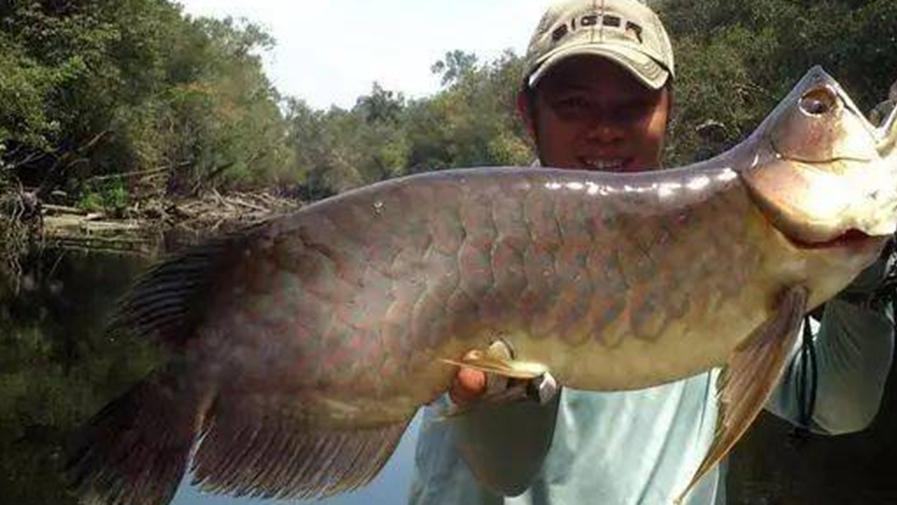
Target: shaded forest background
(93, 92)
(98, 88)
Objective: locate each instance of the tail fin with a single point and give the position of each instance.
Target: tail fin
(135, 450)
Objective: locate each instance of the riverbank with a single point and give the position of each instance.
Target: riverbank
(146, 227)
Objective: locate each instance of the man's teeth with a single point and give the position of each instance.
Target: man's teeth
(604, 164)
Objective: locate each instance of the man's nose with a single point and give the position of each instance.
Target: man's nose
(605, 132)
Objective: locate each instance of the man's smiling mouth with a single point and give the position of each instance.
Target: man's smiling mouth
(603, 164)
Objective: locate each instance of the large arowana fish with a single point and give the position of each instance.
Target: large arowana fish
(303, 346)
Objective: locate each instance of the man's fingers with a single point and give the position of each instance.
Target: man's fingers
(469, 384)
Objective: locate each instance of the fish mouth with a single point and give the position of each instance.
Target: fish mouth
(849, 239)
(811, 222)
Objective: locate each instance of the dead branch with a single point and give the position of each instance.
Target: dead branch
(123, 175)
(148, 221)
(62, 209)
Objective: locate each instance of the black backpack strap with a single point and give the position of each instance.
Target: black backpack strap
(807, 381)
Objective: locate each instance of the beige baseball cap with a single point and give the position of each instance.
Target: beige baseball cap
(625, 31)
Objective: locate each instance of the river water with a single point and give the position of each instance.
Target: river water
(57, 368)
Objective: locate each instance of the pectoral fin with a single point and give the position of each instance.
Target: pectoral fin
(507, 380)
(750, 376)
(498, 359)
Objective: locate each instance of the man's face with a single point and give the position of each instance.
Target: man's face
(590, 113)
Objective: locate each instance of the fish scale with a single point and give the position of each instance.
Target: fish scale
(546, 276)
(385, 280)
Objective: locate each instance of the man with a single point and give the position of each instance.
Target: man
(597, 97)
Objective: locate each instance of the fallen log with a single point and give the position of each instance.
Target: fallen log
(150, 225)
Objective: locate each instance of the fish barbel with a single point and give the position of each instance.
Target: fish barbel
(303, 346)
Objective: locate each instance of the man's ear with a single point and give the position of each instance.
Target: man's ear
(525, 110)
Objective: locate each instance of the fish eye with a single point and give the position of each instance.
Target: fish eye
(818, 101)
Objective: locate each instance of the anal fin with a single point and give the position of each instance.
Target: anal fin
(750, 376)
(263, 446)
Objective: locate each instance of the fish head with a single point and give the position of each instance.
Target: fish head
(820, 172)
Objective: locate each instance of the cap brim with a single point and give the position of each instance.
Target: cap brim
(642, 66)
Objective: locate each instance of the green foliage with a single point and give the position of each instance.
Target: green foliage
(95, 88)
(338, 149)
(470, 122)
(736, 60)
(473, 121)
(98, 88)
(24, 86)
(456, 66)
(109, 196)
(226, 123)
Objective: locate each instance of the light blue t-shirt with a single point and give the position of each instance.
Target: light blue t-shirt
(641, 447)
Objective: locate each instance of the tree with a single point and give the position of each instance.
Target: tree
(736, 60)
(457, 65)
(99, 88)
(473, 120)
(339, 149)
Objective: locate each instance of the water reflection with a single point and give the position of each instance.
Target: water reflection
(56, 367)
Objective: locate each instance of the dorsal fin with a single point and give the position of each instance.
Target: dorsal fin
(161, 304)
